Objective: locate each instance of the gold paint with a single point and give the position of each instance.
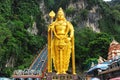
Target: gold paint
(60, 43)
(52, 14)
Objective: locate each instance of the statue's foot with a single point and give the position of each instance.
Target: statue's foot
(74, 73)
(58, 73)
(64, 72)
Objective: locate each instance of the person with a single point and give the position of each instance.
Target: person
(61, 43)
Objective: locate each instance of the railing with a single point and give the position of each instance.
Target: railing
(36, 70)
(39, 59)
(27, 72)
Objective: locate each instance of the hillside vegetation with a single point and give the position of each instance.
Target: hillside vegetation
(18, 46)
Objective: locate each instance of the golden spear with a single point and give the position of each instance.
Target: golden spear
(52, 15)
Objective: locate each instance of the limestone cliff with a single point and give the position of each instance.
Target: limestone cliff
(75, 16)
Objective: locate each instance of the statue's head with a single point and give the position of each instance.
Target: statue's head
(60, 14)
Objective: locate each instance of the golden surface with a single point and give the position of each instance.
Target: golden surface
(52, 14)
(60, 43)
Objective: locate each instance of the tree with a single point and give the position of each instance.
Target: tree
(82, 39)
(99, 46)
(90, 45)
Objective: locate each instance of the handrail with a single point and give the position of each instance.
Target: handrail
(37, 58)
(32, 71)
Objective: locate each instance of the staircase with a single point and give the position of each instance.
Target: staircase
(41, 61)
(36, 70)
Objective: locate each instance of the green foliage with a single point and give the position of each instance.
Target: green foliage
(4, 34)
(64, 3)
(16, 16)
(41, 25)
(89, 62)
(99, 46)
(70, 11)
(5, 7)
(90, 45)
(8, 71)
(82, 38)
(115, 2)
(84, 14)
(36, 43)
(81, 16)
(116, 15)
(2, 19)
(26, 62)
(117, 7)
(26, 11)
(56, 4)
(29, 7)
(51, 4)
(110, 22)
(92, 3)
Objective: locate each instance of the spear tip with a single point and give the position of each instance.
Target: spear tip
(52, 14)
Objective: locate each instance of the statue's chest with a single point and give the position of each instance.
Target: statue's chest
(60, 26)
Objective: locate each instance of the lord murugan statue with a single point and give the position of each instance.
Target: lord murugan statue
(60, 43)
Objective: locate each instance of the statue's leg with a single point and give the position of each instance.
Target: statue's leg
(53, 54)
(67, 56)
(64, 60)
(57, 60)
(61, 60)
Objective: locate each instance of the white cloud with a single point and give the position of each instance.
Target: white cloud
(106, 0)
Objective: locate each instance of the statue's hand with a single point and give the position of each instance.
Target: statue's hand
(51, 27)
(67, 40)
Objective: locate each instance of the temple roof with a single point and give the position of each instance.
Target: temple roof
(114, 42)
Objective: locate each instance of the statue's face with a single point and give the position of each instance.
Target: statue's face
(60, 16)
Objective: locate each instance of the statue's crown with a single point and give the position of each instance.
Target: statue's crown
(60, 10)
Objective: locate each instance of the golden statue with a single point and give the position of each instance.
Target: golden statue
(60, 43)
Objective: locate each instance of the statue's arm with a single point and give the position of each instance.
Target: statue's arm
(52, 28)
(71, 29)
(56, 34)
(73, 49)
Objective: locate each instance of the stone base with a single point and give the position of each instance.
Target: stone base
(53, 76)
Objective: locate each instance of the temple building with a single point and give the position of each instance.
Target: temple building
(114, 50)
(107, 69)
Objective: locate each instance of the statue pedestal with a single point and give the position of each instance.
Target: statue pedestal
(53, 76)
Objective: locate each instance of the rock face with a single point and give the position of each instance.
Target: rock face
(43, 9)
(10, 62)
(33, 30)
(92, 17)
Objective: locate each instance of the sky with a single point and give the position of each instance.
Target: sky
(107, 0)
